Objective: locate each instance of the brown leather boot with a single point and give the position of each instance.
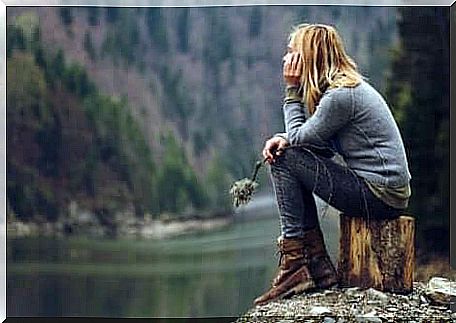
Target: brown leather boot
(293, 276)
(321, 268)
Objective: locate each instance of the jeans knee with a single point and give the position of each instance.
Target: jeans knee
(287, 158)
(294, 158)
(294, 153)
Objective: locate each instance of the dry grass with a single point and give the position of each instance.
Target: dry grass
(435, 266)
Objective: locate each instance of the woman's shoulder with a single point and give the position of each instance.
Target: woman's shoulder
(340, 93)
(360, 92)
(338, 89)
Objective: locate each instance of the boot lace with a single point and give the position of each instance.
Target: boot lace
(280, 253)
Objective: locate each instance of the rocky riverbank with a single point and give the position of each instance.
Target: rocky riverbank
(122, 225)
(429, 302)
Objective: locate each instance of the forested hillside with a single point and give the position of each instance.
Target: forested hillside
(158, 109)
(66, 140)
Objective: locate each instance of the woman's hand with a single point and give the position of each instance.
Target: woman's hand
(292, 68)
(274, 146)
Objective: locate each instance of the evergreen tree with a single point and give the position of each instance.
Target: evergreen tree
(419, 94)
(93, 16)
(66, 15)
(182, 30)
(88, 46)
(255, 22)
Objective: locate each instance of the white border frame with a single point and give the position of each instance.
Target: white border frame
(136, 3)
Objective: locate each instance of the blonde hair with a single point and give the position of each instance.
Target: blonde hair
(325, 62)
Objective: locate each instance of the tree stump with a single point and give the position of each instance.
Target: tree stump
(377, 253)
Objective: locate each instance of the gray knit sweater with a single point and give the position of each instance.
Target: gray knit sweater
(357, 124)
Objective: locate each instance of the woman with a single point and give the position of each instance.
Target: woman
(329, 108)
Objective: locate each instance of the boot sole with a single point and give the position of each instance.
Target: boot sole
(298, 289)
(326, 286)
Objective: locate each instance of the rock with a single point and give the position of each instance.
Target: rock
(441, 291)
(423, 300)
(353, 305)
(374, 294)
(319, 310)
(369, 317)
(352, 290)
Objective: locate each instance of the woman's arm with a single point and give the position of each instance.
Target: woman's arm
(292, 96)
(334, 111)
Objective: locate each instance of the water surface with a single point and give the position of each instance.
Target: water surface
(216, 273)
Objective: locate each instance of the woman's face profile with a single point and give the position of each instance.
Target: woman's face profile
(290, 51)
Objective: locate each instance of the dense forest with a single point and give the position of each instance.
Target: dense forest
(419, 92)
(159, 109)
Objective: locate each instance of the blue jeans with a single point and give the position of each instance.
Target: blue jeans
(301, 171)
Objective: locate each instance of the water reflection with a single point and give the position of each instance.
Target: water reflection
(209, 274)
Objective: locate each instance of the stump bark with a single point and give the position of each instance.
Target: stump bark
(377, 253)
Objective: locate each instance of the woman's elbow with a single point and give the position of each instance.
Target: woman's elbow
(293, 138)
(299, 138)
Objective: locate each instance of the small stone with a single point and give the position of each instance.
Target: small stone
(352, 290)
(329, 320)
(377, 295)
(318, 310)
(440, 308)
(441, 291)
(352, 300)
(369, 317)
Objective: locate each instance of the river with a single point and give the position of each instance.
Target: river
(216, 273)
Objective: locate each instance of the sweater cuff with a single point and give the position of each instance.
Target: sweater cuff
(292, 94)
(283, 135)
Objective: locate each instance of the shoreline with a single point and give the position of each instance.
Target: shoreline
(124, 224)
(129, 227)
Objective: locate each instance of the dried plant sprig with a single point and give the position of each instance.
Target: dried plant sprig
(242, 190)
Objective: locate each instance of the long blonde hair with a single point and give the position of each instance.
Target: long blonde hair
(325, 62)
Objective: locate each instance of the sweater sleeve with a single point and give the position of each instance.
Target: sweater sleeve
(334, 110)
(292, 95)
(282, 135)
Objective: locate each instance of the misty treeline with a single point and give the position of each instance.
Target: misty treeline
(203, 92)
